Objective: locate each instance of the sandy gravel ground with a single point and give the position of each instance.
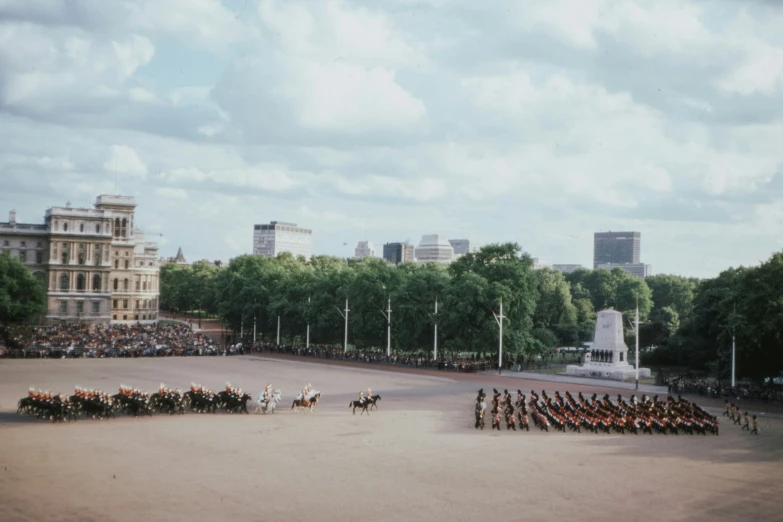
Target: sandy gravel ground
(416, 458)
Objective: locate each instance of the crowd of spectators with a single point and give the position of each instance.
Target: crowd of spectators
(707, 387)
(469, 364)
(104, 340)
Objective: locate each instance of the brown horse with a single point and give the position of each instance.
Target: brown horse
(305, 403)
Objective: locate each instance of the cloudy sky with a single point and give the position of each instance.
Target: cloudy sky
(535, 122)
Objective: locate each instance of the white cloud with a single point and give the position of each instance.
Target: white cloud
(266, 177)
(172, 193)
(125, 160)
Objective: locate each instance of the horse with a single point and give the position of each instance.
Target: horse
(308, 402)
(269, 406)
(234, 404)
(373, 401)
(360, 404)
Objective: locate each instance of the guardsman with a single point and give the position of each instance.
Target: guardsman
(361, 397)
(755, 430)
(726, 408)
(746, 426)
(369, 394)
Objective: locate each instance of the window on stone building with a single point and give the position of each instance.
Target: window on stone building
(138, 304)
(124, 232)
(80, 281)
(96, 307)
(125, 304)
(116, 227)
(23, 257)
(24, 243)
(81, 227)
(63, 307)
(115, 303)
(39, 257)
(97, 258)
(79, 307)
(97, 229)
(96, 282)
(65, 227)
(125, 285)
(116, 284)
(117, 263)
(144, 285)
(127, 265)
(81, 258)
(114, 318)
(124, 317)
(65, 258)
(64, 282)
(5, 243)
(137, 286)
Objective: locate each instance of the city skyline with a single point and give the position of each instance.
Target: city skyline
(274, 112)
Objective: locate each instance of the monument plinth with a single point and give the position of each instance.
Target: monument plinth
(608, 357)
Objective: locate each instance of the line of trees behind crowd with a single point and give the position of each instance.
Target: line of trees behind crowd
(686, 321)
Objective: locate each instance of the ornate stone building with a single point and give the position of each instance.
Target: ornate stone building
(95, 264)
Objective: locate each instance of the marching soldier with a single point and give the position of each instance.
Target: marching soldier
(746, 426)
(755, 430)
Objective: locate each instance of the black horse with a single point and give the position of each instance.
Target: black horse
(373, 400)
(363, 405)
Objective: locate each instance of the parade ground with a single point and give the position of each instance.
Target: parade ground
(417, 457)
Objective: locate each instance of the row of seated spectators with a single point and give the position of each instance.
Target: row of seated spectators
(472, 364)
(103, 340)
(712, 388)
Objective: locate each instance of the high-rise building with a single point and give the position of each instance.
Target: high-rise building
(94, 264)
(566, 269)
(616, 247)
(364, 249)
(434, 249)
(460, 246)
(635, 269)
(539, 263)
(396, 253)
(277, 237)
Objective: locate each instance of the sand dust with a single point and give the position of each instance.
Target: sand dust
(416, 458)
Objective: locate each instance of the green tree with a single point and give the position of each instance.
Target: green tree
(22, 296)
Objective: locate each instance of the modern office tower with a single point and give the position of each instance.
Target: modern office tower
(616, 247)
(276, 237)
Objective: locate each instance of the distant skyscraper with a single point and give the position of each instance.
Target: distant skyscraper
(566, 269)
(635, 269)
(461, 246)
(276, 237)
(434, 249)
(538, 263)
(621, 248)
(396, 253)
(364, 249)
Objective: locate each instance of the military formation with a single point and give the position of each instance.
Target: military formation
(566, 412)
(734, 413)
(97, 404)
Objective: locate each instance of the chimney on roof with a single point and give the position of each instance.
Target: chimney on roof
(12, 217)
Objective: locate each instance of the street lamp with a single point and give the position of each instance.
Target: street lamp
(345, 315)
(499, 319)
(308, 323)
(387, 315)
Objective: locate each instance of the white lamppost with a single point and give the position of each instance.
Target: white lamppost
(387, 315)
(254, 329)
(345, 315)
(278, 330)
(435, 317)
(499, 319)
(308, 323)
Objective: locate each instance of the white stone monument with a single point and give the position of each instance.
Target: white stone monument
(608, 356)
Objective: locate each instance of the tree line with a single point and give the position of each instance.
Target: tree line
(544, 308)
